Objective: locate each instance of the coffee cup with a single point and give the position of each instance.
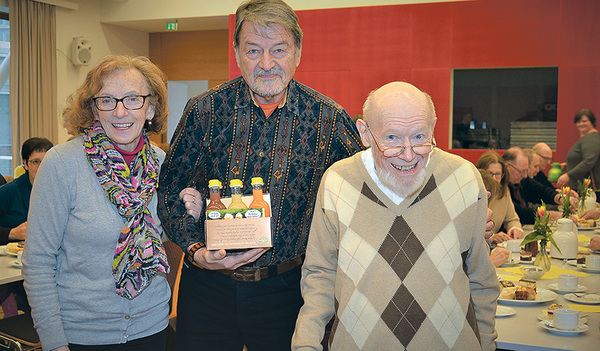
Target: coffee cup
(566, 319)
(513, 245)
(568, 281)
(592, 261)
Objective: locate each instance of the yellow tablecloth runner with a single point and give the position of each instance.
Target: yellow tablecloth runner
(585, 308)
(553, 273)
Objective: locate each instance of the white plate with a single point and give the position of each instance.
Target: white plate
(555, 287)
(503, 311)
(580, 329)
(585, 229)
(526, 262)
(542, 296)
(12, 253)
(572, 262)
(589, 270)
(588, 299)
(544, 316)
(16, 264)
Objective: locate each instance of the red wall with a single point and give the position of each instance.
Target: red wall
(349, 52)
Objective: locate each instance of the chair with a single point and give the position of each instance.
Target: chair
(175, 257)
(17, 333)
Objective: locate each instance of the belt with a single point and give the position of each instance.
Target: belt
(250, 274)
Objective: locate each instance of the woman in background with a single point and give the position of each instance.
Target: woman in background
(583, 159)
(94, 264)
(501, 204)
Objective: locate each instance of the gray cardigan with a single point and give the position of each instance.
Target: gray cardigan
(67, 262)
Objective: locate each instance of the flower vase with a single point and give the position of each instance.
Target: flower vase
(542, 259)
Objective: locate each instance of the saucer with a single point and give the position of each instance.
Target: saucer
(589, 270)
(16, 264)
(555, 287)
(588, 299)
(544, 316)
(526, 262)
(511, 263)
(549, 326)
(503, 311)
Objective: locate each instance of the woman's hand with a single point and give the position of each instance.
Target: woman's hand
(193, 202)
(590, 214)
(516, 233)
(563, 180)
(500, 237)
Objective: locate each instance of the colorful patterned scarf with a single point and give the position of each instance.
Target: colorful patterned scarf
(139, 253)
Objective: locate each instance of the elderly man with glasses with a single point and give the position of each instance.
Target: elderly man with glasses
(544, 152)
(396, 240)
(527, 194)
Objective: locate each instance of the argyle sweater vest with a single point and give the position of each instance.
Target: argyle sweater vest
(413, 276)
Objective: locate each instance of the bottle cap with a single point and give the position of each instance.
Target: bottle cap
(236, 182)
(215, 182)
(257, 180)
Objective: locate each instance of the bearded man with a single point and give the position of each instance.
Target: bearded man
(396, 253)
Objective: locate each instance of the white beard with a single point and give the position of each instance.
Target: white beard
(402, 187)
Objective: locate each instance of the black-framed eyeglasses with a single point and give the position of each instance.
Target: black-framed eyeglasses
(518, 170)
(394, 151)
(130, 102)
(497, 175)
(548, 159)
(34, 162)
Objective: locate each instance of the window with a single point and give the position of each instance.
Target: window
(496, 108)
(5, 128)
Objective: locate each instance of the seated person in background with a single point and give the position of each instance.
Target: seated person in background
(498, 255)
(544, 153)
(370, 213)
(534, 162)
(500, 202)
(527, 193)
(14, 196)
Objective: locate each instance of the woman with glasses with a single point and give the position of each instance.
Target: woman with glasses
(14, 196)
(94, 264)
(501, 204)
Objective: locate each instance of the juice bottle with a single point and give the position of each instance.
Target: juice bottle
(236, 194)
(214, 186)
(258, 200)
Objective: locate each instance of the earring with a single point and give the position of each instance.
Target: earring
(150, 122)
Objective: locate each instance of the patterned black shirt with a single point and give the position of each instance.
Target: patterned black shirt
(223, 134)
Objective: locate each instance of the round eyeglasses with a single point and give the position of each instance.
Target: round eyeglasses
(394, 151)
(130, 102)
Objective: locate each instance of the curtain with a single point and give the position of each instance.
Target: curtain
(33, 107)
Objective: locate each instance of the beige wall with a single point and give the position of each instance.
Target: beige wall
(104, 38)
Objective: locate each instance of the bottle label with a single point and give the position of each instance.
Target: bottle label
(235, 213)
(214, 214)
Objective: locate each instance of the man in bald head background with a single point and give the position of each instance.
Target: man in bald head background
(396, 240)
(545, 154)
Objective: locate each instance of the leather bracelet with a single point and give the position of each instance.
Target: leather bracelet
(191, 251)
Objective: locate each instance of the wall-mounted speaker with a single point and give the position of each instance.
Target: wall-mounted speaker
(82, 51)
